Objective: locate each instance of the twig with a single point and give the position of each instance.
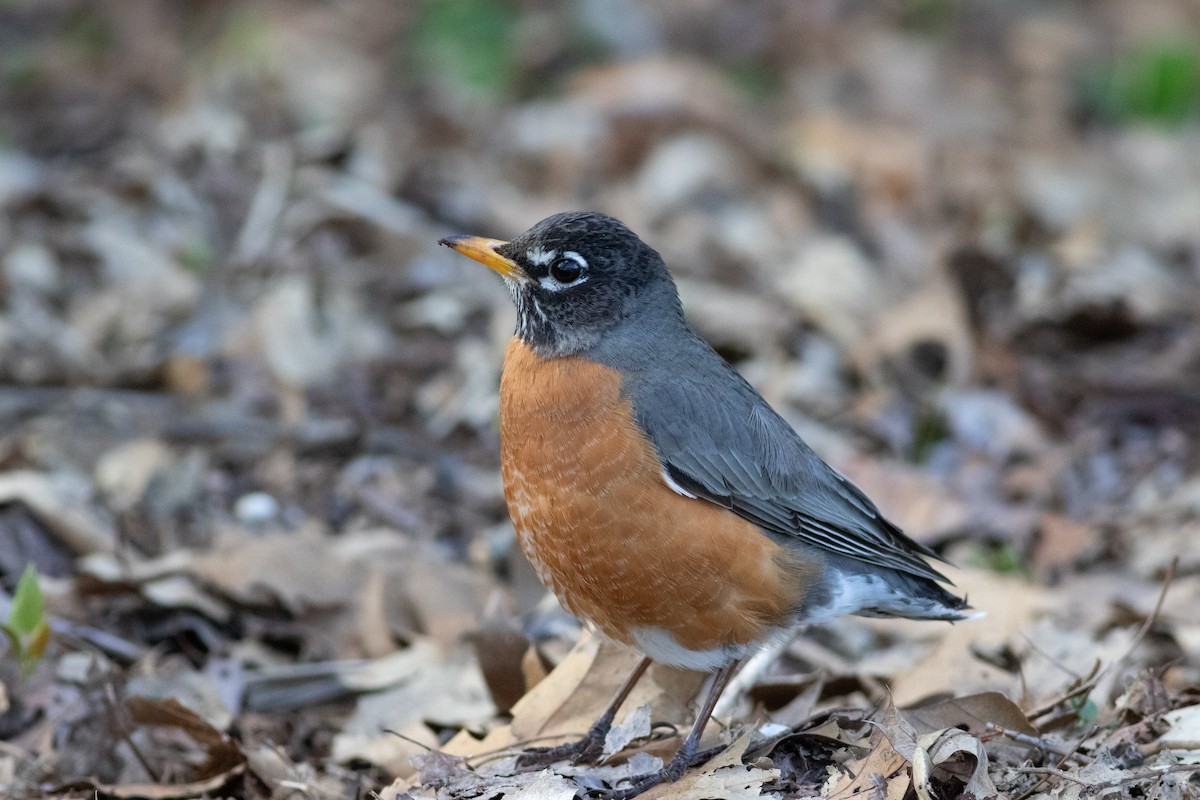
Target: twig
(1051, 772)
(659, 731)
(1150, 620)
(411, 740)
(1150, 773)
(1147, 774)
(1090, 682)
(1072, 753)
(110, 700)
(1043, 744)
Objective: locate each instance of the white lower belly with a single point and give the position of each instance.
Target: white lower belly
(661, 646)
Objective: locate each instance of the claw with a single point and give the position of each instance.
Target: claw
(585, 751)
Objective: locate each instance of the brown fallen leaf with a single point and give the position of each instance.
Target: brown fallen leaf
(500, 647)
(574, 694)
(943, 751)
(224, 758)
(222, 750)
(425, 683)
(883, 769)
(975, 712)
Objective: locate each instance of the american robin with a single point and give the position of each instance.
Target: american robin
(655, 492)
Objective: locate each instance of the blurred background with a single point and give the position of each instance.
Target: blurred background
(248, 406)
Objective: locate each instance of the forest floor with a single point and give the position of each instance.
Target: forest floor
(248, 407)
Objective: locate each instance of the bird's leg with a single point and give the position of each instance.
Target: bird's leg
(588, 749)
(687, 751)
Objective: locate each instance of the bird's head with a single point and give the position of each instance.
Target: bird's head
(574, 277)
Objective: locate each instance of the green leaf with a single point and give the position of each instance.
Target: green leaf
(28, 605)
(1157, 82)
(471, 41)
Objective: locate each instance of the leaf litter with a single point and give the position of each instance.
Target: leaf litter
(247, 409)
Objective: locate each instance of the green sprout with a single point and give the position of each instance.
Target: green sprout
(27, 628)
(1157, 83)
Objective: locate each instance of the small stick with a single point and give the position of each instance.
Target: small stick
(1073, 752)
(118, 721)
(1043, 744)
(1053, 773)
(411, 740)
(1090, 682)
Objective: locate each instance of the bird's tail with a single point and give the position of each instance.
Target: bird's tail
(868, 591)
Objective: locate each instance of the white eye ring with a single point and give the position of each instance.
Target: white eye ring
(550, 283)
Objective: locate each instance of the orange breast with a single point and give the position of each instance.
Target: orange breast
(605, 532)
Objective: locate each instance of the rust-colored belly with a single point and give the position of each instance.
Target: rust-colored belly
(606, 533)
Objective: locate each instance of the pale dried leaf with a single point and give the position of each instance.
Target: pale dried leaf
(938, 749)
(635, 726)
(1011, 605)
(725, 777)
(1184, 733)
(638, 764)
(64, 503)
(545, 785)
(897, 729)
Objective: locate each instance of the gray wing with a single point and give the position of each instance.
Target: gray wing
(719, 440)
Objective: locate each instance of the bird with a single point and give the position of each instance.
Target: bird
(654, 490)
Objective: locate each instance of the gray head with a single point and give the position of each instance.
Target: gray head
(574, 277)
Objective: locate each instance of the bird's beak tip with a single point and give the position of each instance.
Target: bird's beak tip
(483, 250)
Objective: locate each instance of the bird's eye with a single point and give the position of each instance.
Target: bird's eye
(566, 270)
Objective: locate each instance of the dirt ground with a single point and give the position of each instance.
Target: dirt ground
(248, 438)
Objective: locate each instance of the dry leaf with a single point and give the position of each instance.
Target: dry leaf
(577, 691)
(1184, 733)
(222, 750)
(64, 504)
(863, 778)
(225, 760)
(500, 647)
(974, 712)
(635, 726)
(725, 777)
(286, 778)
(1011, 605)
(427, 684)
(934, 314)
(544, 786)
(942, 749)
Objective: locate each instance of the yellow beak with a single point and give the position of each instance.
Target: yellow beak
(483, 250)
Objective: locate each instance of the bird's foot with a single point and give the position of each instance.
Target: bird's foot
(587, 750)
(668, 774)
